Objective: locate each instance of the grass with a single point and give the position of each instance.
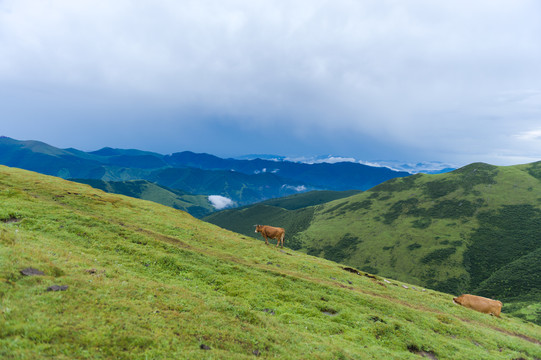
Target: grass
(196, 205)
(470, 230)
(149, 282)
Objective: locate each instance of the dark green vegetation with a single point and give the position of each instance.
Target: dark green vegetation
(310, 198)
(476, 229)
(138, 280)
(243, 181)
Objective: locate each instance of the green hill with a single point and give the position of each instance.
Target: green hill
(310, 198)
(196, 205)
(129, 279)
(471, 230)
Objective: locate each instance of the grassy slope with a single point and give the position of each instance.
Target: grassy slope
(472, 230)
(147, 281)
(196, 205)
(449, 231)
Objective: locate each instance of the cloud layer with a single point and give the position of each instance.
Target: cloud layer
(422, 80)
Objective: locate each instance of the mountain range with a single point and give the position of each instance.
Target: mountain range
(242, 181)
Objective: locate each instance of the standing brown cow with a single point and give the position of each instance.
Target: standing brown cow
(271, 232)
(479, 303)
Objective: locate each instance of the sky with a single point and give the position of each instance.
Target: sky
(409, 80)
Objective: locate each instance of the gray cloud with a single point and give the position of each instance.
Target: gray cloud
(456, 81)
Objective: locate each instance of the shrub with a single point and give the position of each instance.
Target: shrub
(438, 188)
(535, 170)
(408, 206)
(343, 248)
(438, 255)
(502, 237)
(421, 223)
(452, 209)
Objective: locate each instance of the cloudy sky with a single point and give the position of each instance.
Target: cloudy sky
(456, 81)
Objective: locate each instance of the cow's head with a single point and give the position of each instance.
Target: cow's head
(258, 228)
(458, 300)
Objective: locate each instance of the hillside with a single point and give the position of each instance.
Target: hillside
(134, 279)
(310, 198)
(472, 230)
(195, 205)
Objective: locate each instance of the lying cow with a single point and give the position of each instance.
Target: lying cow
(271, 232)
(481, 304)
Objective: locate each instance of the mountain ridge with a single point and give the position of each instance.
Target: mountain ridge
(243, 181)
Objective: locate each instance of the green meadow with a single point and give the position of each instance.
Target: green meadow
(474, 230)
(145, 281)
(196, 205)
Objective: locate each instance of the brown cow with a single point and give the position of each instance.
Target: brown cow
(271, 232)
(481, 304)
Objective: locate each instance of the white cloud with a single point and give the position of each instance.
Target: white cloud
(320, 159)
(299, 188)
(336, 159)
(220, 202)
(264, 170)
(412, 168)
(530, 135)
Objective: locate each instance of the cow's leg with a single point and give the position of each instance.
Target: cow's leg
(266, 242)
(282, 240)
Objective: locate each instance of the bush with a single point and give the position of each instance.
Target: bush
(518, 278)
(503, 236)
(343, 248)
(452, 209)
(401, 207)
(535, 170)
(438, 255)
(414, 246)
(421, 223)
(438, 188)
